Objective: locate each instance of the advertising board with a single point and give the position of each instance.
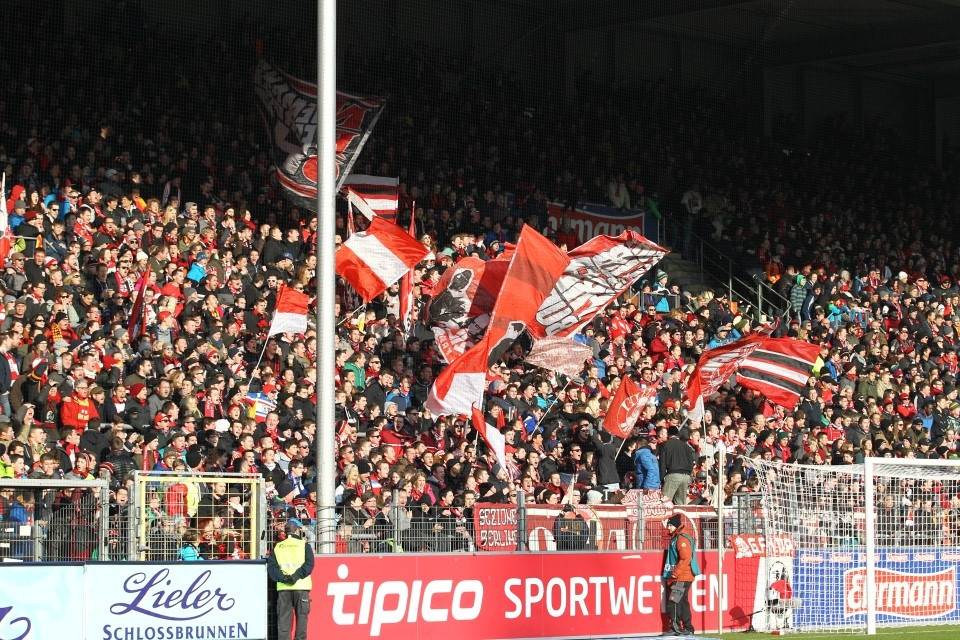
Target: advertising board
(912, 583)
(134, 601)
(494, 595)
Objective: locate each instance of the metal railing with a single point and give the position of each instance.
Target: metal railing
(59, 520)
(755, 298)
(634, 525)
(743, 284)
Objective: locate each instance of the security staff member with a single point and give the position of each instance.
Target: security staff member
(678, 572)
(290, 566)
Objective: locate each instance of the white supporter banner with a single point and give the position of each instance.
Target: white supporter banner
(38, 601)
(154, 601)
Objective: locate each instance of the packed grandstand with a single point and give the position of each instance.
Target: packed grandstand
(146, 247)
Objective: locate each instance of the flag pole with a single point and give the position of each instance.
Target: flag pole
(326, 267)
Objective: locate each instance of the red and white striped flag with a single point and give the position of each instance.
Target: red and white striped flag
(376, 195)
(291, 313)
(374, 259)
(779, 369)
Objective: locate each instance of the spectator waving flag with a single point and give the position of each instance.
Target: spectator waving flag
(260, 405)
(291, 312)
(137, 325)
(628, 403)
(289, 107)
(374, 259)
(373, 195)
(778, 369)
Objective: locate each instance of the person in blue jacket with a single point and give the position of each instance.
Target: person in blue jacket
(647, 466)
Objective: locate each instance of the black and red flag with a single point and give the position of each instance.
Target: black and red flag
(289, 108)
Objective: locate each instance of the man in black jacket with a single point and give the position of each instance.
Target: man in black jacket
(677, 459)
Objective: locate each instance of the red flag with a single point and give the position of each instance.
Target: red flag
(406, 283)
(628, 403)
(137, 316)
(533, 271)
(779, 369)
(374, 259)
(291, 313)
(491, 436)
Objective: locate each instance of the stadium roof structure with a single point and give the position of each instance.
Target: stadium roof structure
(915, 39)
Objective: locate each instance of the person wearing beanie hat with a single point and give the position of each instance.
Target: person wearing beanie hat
(679, 572)
(290, 566)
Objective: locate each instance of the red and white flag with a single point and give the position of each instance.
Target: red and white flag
(595, 274)
(533, 271)
(491, 436)
(289, 107)
(715, 367)
(291, 313)
(373, 195)
(463, 299)
(374, 259)
(563, 355)
(628, 403)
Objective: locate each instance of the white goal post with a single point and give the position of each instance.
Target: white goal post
(860, 546)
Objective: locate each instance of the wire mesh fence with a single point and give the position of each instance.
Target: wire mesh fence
(58, 520)
(216, 516)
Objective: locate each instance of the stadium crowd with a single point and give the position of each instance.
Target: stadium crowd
(110, 201)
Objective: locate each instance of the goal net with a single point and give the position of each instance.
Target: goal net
(854, 547)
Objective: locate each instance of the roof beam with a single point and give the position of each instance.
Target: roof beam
(607, 13)
(886, 41)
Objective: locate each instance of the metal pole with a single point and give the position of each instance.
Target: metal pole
(326, 286)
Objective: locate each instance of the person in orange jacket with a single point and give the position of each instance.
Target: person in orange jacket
(678, 573)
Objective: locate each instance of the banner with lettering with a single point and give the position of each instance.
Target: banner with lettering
(510, 595)
(591, 220)
(608, 527)
(215, 600)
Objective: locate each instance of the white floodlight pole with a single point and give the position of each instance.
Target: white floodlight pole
(326, 287)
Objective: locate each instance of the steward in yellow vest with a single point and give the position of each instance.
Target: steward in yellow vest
(290, 566)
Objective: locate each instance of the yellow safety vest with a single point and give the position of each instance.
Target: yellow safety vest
(291, 554)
